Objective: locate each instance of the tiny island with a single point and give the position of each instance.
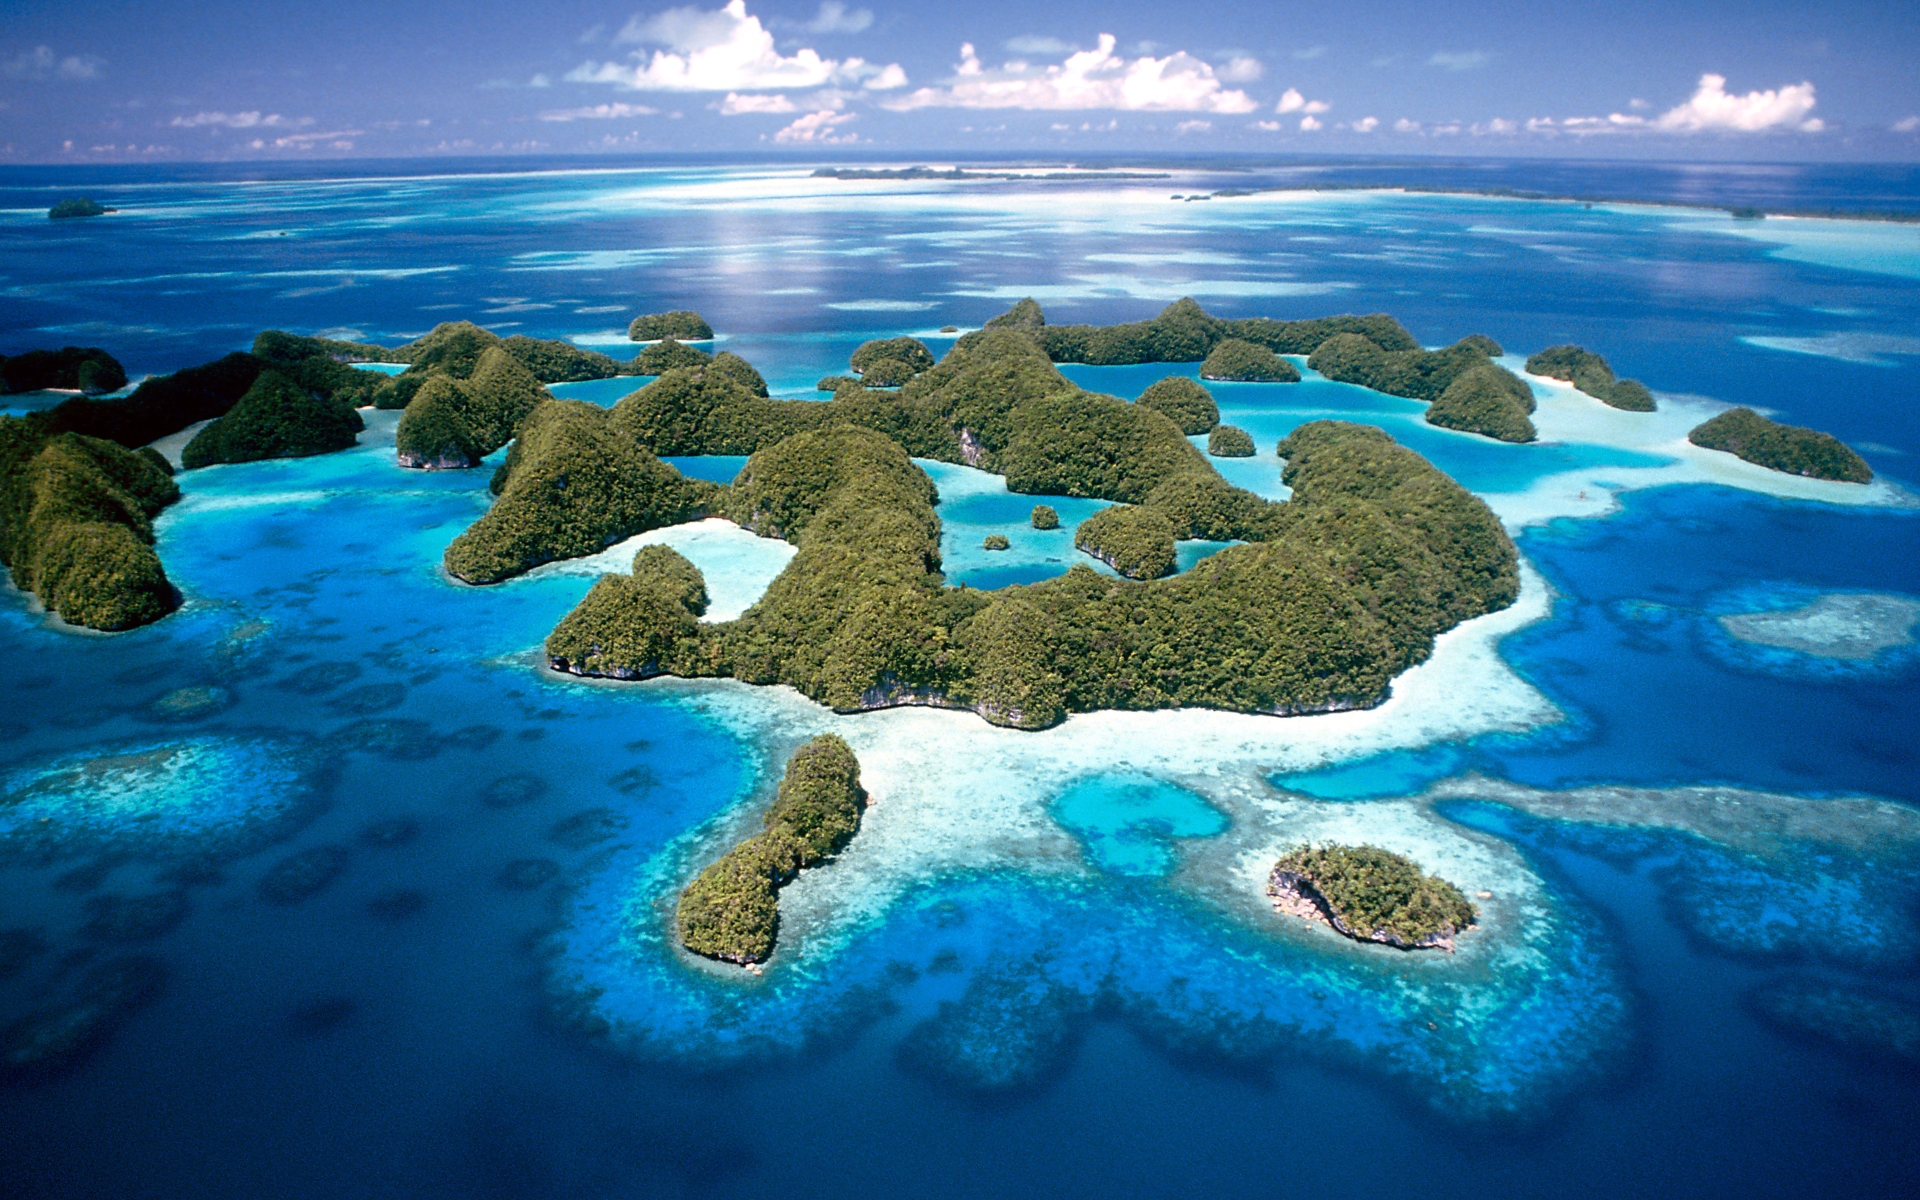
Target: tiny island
(731, 910)
(1589, 373)
(78, 206)
(1370, 895)
(1791, 449)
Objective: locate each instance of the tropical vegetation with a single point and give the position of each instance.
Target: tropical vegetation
(1790, 448)
(1375, 895)
(1590, 373)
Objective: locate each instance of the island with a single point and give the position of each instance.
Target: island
(1792, 449)
(861, 617)
(1370, 895)
(1135, 541)
(731, 911)
(454, 423)
(996, 541)
(1486, 399)
(1237, 360)
(680, 324)
(1045, 516)
(79, 206)
(85, 369)
(276, 418)
(1590, 373)
(1184, 402)
(76, 524)
(1230, 441)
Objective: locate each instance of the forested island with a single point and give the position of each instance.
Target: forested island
(79, 206)
(85, 369)
(1590, 373)
(1337, 590)
(731, 911)
(1790, 448)
(1370, 895)
(680, 324)
(1230, 441)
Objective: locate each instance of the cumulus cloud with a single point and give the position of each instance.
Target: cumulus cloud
(1908, 125)
(599, 112)
(818, 128)
(239, 120)
(1403, 125)
(1096, 78)
(735, 104)
(1365, 125)
(1193, 127)
(42, 63)
(1241, 68)
(1292, 101)
(1713, 108)
(1309, 124)
(726, 50)
(1267, 126)
(1464, 61)
(890, 77)
(834, 17)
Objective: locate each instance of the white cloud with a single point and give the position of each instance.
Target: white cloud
(42, 63)
(1637, 104)
(1309, 124)
(1713, 108)
(1497, 125)
(1405, 126)
(239, 120)
(735, 104)
(888, 79)
(1292, 101)
(818, 128)
(726, 50)
(1308, 52)
(1464, 61)
(1365, 125)
(1193, 127)
(1095, 78)
(1033, 43)
(833, 17)
(1241, 68)
(540, 81)
(1907, 126)
(599, 112)
(1268, 126)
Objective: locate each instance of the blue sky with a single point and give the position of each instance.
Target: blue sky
(273, 79)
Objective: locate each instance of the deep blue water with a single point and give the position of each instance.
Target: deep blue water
(418, 1024)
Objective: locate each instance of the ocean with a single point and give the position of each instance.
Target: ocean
(384, 908)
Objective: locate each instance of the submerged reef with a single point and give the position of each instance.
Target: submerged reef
(1182, 401)
(860, 617)
(76, 525)
(1371, 895)
(87, 369)
(1790, 448)
(731, 911)
(1591, 374)
(202, 797)
(680, 324)
(1866, 1022)
(1240, 361)
(55, 1040)
(1845, 625)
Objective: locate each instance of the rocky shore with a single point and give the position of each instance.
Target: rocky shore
(1294, 895)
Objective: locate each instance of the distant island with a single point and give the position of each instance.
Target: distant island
(1370, 895)
(731, 911)
(79, 206)
(1240, 361)
(957, 173)
(1789, 448)
(86, 369)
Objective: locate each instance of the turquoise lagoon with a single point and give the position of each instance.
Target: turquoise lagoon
(1046, 963)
